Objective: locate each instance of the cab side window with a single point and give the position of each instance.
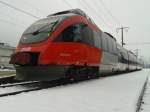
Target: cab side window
(104, 42)
(87, 35)
(67, 35)
(77, 33)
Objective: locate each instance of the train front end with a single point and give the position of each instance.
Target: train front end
(34, 43)
(48, 49)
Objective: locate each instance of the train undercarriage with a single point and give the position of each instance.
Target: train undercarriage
(54, 72)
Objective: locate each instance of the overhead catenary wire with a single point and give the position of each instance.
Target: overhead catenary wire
(33, 7)
(11, 17)
(96, 13)
(70, 5)
(12, 23)
(85, 4)
(113, 19)
(110, 13)
(104, 14)
(67, 3)
(142, 43)
(18, 9)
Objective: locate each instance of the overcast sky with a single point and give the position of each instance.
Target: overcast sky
(107, 14)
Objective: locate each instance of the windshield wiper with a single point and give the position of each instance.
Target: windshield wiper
(52, 28)
(36, 32)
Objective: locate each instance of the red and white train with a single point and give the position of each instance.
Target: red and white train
(69, 44)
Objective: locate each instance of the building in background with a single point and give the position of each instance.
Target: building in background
(5, 54)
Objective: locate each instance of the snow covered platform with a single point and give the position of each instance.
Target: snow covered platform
(108, 94)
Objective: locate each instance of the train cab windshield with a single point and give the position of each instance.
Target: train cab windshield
(39, 31)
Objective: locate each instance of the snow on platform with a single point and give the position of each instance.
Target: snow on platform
(146, 99)
(109, 94)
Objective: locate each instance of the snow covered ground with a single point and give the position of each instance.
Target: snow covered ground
(109, 94)
(146, 99)
(7, 73)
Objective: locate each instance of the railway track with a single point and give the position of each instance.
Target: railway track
(18, 84)
(14, 88)
(7, 79)
(28, 86)
(17, 88)
(18, 92)
(21, 87)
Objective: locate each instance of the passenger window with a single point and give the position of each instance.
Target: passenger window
(100, 38)
(104, 42)
(109, 45)
(114, 47)
(97, 39)
(105, 45)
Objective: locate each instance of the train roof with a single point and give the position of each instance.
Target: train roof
(57, 17)
(110, 35)
(132, 53)
(72, 12)
(124, 50)
(121, 48)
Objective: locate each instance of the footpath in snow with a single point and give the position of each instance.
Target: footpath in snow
(109, 94)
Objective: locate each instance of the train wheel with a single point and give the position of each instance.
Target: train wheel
(79, 73)
(70, 73)
(93, 72)
(76, 73)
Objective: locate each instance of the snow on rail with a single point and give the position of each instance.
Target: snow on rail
(146, 99)
(108, 94)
